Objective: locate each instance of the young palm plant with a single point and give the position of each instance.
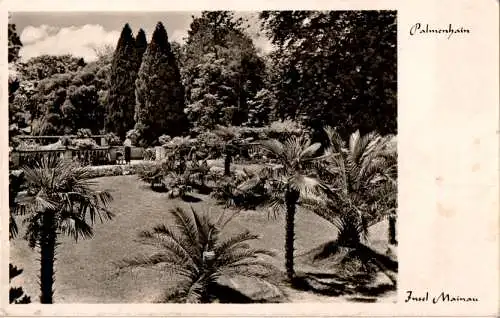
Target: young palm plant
(292, 180)
(60, 200)
(363, 178)
(194, 251)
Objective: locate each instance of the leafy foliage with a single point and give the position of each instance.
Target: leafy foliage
(194, 251)
(243, 191)
(335, 68)
(221, 70)
(59, 95)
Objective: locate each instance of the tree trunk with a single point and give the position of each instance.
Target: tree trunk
(392, 230)
(291, 197)
(227, 164)
(47, 258)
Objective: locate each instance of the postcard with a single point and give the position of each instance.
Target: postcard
(258, 159)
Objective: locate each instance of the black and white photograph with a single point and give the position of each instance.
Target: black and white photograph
(203, 157)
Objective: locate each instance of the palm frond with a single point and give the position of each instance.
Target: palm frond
(172, 267)
(74, 226)
(310, 151)
(187, 227)
(165, 238)
(273, 147)
(235, 240)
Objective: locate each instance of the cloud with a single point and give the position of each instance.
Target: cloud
(79, 41)
(31, 34)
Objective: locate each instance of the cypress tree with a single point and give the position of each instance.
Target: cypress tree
(141, 44)
(159, 92)
(123, 73)
(15, 43)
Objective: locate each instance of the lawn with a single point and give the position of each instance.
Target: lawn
(85, 271)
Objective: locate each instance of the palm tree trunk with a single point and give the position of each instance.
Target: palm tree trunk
(227, 164)
(47, 258)
(392, 230)
(291, 197)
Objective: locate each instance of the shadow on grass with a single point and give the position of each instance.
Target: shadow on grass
(190, 199)
(357, 271)
(202, 189)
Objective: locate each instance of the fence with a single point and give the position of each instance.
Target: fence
(98, 156)
(44, 140)
(94, 157)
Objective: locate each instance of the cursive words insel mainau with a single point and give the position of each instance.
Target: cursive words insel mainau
(441, 297)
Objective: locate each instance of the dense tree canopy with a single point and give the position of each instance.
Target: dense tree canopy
(59, 94)
(159, 92)
(336, 67)
(221, 70)
(333, 68)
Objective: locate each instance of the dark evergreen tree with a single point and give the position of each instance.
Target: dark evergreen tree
(159, 92)
(15, 43)
(121, 98)
(141, 44)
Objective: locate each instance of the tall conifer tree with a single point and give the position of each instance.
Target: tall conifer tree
(121, 105)
(141, 44)
(159, 92)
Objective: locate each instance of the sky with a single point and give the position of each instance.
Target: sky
(79, 33)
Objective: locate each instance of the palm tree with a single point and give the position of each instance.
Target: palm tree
(363, 177)
(16, 294)
(194, 251)
(15, 185)
(231, 138)
(60, 200)
(291, 180)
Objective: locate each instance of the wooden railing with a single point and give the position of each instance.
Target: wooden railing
(44, 140)
(30, 157)
(93, 157)
(96, 156)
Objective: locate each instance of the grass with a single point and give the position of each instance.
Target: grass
(85, 272)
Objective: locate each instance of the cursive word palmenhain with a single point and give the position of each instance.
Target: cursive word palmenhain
(418, 28)
(440, 298)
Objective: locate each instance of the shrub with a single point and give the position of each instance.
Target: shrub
(282, 130)
(113, 140)
(149, 154)
(164, 139)
(84, 133)
(152, 174)
(228, 191)
(84, 143)
(177, 185)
